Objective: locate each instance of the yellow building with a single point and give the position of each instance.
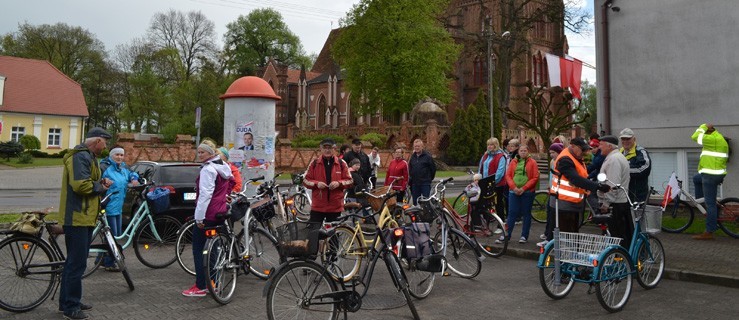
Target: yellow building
(38, 99)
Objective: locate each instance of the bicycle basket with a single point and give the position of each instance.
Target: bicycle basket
(238, 208)
(376, 203)
(424, 213)
(651, 221)
(158, 200)
(297, 178)
(297, 239)
(582, 248)
(263, 210)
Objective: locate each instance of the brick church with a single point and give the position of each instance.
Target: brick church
(315, 100)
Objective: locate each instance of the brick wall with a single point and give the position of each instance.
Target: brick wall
(140, 147)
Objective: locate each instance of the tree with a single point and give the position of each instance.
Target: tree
(395, 53)
(30, 142)
(253, 39)
(586, 107)
(10, 149)
(469, 132)
(191, 34)
(551, 112)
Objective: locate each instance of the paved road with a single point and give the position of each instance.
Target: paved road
(507, 288)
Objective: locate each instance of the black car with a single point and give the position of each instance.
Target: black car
(178, 177)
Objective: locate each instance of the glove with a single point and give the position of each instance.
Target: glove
(602, 187)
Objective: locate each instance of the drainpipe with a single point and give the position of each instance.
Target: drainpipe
(606, 67)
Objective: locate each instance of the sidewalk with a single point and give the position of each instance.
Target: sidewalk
(710, 262)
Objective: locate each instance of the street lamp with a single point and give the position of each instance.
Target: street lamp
(489, 33)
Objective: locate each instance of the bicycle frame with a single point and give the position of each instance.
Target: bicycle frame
(127, 234)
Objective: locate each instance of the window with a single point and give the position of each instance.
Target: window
(55, 137)
(16, 133)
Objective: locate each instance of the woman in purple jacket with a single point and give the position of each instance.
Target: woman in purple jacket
(213, 185)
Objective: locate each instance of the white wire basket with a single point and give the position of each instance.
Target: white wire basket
(583, 248)
(651, 221)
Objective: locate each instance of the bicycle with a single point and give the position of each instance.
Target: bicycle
(152, 237)
(301, 198)
(225, 251)
(302, 288)
(491, 227)
(679, 213)
(31, 265)
(601, 262)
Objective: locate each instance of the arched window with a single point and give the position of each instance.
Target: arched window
(322, 109)
(545, 71)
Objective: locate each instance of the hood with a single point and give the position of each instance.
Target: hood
(223, 169)
(72, 152)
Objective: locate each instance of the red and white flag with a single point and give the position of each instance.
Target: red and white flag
(672, 190)
(565, 72)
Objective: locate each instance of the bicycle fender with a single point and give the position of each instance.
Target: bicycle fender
(542, 257)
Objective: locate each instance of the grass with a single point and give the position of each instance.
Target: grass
(37, 162)
(12, 217)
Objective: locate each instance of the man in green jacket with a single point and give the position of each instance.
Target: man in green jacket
(711, 173)
(82, 187)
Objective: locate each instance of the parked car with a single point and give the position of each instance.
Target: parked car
(178, 177)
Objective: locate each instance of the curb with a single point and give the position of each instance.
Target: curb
(672, 274)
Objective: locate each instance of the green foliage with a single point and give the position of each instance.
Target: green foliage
(262, 34)
(61, 154)
(469, 133)
(313, 140)
(25, 158)
(586, 108)
(395, 53)
(30, 142)
(39, 154)
(10, 149)
(171, 130)
(104, 154)
(376, 139)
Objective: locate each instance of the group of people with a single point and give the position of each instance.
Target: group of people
(510, 172)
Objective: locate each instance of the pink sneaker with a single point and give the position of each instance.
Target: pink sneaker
(195, 292)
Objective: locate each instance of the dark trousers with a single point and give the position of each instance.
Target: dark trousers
(549, 228)
(418, 190)
(476, 211)
(198, 244)
(77, 240)
(373, 180)
(501, 201)
(115, 228)
(621, 224)
(569, 221)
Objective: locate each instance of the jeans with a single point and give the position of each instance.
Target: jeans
(115, 228)
(198, 244)
(77, 240)
(520, 206)
(706, 186)
(418, 190)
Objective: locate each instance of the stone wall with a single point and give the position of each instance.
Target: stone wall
(148, 147)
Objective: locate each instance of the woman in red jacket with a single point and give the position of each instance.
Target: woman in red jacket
(397, 170)
(327, 177)
(522, 178)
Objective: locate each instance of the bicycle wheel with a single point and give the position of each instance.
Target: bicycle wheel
(554, 290)
(347, 251)
(462, 256)
(677, 217)
(220, 271)
(157, 250)
(263, 253)
(613, 282)
(420, 283)
(539, 209)
(401, 281)
(493, 239)
(728, 216)
(26, 275)
(96, 256)
(650, 262)
(461, 204)
(183, 248)
(117, 254)
(302, 206)
(302, 290)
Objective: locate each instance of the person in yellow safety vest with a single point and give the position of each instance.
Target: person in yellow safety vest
(570, 184)
(711, 173)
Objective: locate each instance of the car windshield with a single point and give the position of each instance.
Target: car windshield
(179, 174)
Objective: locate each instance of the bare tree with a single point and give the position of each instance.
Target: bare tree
(191, 34)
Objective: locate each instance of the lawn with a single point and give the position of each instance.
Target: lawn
(12, 217)
(37, 162)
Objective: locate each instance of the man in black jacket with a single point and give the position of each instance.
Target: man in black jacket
(365, 169)
(421, 171)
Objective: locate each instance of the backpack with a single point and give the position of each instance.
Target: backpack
(417, 240)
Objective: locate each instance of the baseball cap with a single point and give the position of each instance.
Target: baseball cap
(98, 132)
(327, 141)
(356, 142)
(609, 139)
(580, 142)
(626, 133)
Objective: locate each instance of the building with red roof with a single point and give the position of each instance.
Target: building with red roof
(38, 99)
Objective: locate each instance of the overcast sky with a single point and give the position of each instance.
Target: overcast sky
(118, 22)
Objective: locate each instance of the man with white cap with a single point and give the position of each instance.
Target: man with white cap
(640, 165)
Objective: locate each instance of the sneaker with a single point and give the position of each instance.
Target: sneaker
(522, 240)
(519, 222)
(75, 315)
(195, 292)
(112, 269)
(500, 240)
(542, 243)
(498, 231)
(83, 307)
(704, 236)
(542, 236)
